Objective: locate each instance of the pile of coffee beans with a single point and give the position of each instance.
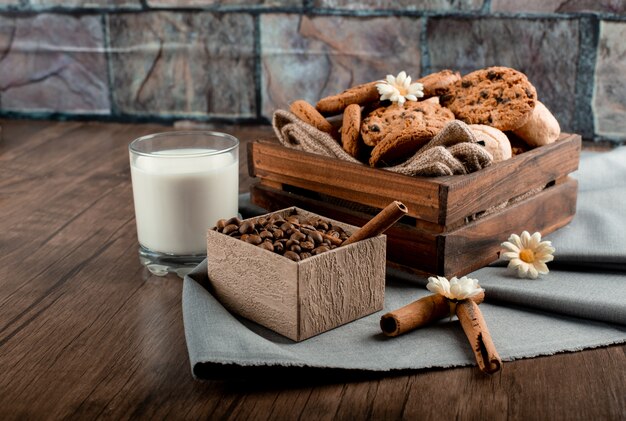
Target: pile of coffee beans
(295, 236)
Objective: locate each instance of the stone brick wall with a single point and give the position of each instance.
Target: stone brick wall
(236, 60)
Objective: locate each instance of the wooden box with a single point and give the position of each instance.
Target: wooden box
(298, 299)
(456, 223)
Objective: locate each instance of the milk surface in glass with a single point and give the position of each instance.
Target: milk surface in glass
(179, 194)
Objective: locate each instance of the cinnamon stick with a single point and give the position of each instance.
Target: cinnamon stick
(419, 313)
(476, 331)
(380, 223)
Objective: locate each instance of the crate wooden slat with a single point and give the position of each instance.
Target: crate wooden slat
(441, 235)
(456, 252)
(471, 193)
(444, 201)
(272, 162)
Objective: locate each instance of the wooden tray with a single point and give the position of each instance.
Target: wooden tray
(445, 233)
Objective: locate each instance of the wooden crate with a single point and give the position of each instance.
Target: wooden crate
(445, 233)
(298, 299)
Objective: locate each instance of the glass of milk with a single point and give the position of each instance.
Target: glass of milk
(183, 182)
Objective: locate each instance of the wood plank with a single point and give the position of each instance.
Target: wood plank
(455, 252)
(358, 183)
(468, 194)
(39, 215)
(477, 244)
(108, 340)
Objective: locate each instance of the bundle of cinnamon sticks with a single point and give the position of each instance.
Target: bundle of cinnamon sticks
(434, 307)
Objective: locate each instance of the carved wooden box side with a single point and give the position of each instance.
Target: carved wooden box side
(254, 283)
(303, 299)
(341, 285)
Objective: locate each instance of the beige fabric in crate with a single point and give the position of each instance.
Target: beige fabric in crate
(453, 151)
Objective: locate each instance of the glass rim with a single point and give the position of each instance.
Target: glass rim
(132, 145)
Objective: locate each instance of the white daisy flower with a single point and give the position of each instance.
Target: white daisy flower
(399, 89)
(527, 254)
(455, 289)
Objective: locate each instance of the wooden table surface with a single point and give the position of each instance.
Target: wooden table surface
(86, 331)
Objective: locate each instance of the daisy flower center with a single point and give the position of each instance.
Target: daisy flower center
(527, 255)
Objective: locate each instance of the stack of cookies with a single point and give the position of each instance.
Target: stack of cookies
(498, 103)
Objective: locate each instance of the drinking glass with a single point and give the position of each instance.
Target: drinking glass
(183, 182)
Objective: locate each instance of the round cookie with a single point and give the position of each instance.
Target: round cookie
(307, 113)
(394, 118)
(360, 94)
(436, 84)
(494, 140)
(402, 130)
(540, 129)
(351, 129)
(500, 97)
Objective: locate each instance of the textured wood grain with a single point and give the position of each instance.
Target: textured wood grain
(342, 285)
(477, 244)
(451, 253)
(298, 299)
(504, 180)
(273, 162)
(254, 283)
(86, 333)
(445, 201)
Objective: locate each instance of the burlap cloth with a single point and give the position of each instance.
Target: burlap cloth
(454, 150)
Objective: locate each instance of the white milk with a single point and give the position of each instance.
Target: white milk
(178, 199)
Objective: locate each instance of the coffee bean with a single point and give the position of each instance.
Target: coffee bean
(278, 219)
(298, 236)
(267, 245)
(234, 220)
(316, 237)
(254, 239)
(230, 228)
(320, 249)
(322, 225)
(295, 248)
(293, 236)
(293, 256)
(292, 243)
(279, 247)
(246, 227)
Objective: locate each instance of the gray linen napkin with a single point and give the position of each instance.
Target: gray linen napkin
(580, 305)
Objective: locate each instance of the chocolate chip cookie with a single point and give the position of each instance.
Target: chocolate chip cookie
(398, 131)
(499, 97)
